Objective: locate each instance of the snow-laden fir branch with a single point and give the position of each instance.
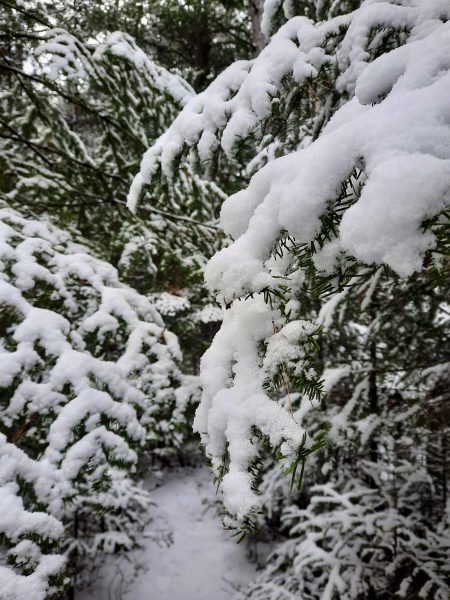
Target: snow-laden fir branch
(367, 185)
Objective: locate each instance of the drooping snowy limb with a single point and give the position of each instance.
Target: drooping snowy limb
(66, 54)
(235, 403)
(130, 116)
(232, 106)
(296, 217)
(240, 100)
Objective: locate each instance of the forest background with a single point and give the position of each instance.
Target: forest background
(322, 404)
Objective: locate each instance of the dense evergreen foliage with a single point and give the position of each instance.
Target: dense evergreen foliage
(324, 406)
(76, 116)
(335, 286)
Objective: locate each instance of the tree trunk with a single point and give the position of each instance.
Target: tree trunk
(258, 38)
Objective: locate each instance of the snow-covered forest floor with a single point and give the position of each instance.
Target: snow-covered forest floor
(185, 555)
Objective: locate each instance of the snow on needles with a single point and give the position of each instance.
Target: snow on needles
(403, 150)
(381, 129)
(87, 371)
(234, 401)
(64, 53)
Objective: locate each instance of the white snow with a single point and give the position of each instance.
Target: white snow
(168, 305)
(187, 555)
(234, 401)
(209, 314)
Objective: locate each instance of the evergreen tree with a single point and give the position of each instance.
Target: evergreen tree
(369, 520)
(76, 117)
(88, 377)
(352, 204)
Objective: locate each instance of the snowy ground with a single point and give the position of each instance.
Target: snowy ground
(186, 554)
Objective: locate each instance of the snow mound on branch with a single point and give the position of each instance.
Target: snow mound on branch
(169, 305)
(209, 314)
(403, 150)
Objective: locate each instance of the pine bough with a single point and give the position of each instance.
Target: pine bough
(360, 180)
